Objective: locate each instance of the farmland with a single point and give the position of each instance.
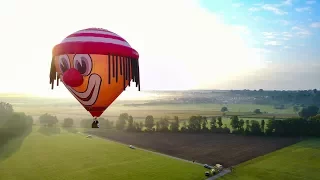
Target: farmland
(226, 149)
(72, 156)
(296, 162)
(63, 108)
(63, 155)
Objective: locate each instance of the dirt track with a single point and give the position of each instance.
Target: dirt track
(225, 149)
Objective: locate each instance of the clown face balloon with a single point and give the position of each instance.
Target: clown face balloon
(96, 66)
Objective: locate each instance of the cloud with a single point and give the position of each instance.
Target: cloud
(272, 43)
(237, 5)
(254, 9)
(284, 22)
(303, 9)
(274, 9)
(257, 18)
(310, 2)
(287, 2)
(315, 25)
(286, 34)
(242, 29)
(301, 32)
(269, 35)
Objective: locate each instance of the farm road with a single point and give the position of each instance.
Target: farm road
(222, 173)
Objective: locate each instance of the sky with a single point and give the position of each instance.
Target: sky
(183, 44)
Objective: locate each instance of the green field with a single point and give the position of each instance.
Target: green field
(72, 156)
(296, 162)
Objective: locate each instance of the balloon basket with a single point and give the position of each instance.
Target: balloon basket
(95, 124)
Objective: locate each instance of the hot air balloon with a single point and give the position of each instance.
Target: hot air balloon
(96, 66)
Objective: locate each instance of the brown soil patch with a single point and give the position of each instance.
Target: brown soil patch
(209, 148)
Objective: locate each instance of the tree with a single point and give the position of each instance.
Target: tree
(194, 123)
(205, 124)
(257, 111)
(130, 124)
(164, 124)
(121, 122)
(296, 108)
(315, 91)
(235, 122)
(149, 122)
(270, 127)
(141, 125)
(255, 128)
(6, 110)
(85, 123)
(137, 126)
(184, 127)
(67, 122)
(157, 126)
(105, 123)
(18, 121)
(247, 130)
(309, 112)
(220, 122)
(224, 109)
(241, 124)
(48, 120)
(262, 125)
(174, 127)
(213, 123)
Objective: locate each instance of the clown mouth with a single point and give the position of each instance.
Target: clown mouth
(90, 95)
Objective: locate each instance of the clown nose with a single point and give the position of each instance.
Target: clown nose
(72, 77)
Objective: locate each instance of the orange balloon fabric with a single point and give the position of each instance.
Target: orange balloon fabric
(96, 79)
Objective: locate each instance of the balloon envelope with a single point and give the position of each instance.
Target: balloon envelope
(96, 66)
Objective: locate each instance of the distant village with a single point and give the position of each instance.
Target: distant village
(276, 98)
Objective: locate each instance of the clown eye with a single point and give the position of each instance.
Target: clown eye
(83, 63)
(64, 63)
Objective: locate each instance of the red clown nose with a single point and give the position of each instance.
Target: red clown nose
(72, 77)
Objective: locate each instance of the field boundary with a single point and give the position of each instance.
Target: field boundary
(222, 173)
(147, 150)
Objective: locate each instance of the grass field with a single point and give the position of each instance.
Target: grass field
(72, 156)
(296, 162)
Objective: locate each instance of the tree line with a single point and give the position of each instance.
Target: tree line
(13, 124)
(308, 124)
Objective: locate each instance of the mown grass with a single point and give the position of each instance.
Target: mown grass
(296, 162)
(72, 156)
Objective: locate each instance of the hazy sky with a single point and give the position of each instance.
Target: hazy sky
(183, 44)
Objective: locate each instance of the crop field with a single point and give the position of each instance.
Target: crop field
(63, 108)
(226, 149)
(55, 154)
(296, 162)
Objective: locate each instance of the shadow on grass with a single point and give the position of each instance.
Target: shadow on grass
(49, 131)
(313, 143)
(70, 129)
(11, 144)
